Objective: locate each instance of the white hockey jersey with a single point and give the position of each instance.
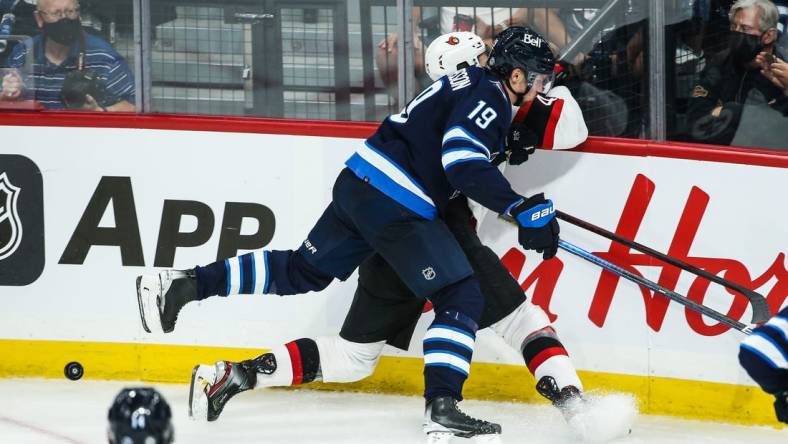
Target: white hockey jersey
(556, 118)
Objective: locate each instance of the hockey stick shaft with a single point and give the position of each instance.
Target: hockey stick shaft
(760, 308)
(670, 294)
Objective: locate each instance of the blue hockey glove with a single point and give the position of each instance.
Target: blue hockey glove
(538, 227)
(520, 143)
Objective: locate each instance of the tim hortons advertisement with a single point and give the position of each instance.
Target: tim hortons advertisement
(119, 202)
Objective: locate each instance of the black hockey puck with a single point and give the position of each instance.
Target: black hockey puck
(74, 370)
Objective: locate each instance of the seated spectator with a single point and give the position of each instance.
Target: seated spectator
(70, 68)
(733, 79)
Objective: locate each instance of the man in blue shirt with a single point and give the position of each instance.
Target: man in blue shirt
(70, 68)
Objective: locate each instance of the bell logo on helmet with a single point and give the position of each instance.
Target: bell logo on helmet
(532, 40)
(453, 40)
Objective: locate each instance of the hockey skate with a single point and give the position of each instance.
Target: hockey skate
(443, 419)
(161, 297)
(591, 418)
(212, 386)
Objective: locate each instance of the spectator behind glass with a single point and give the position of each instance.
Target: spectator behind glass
(732, 90)
(70, 68)
(485, 21)
(607, 77)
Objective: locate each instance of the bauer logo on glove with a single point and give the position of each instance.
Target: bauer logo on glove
(540, 215)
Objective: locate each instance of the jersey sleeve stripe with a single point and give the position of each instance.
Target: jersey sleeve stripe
(458, 133)
(764, 347)
(453, 157)
(549, 133)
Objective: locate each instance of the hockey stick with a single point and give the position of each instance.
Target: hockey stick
(760, 308)
(672, 295)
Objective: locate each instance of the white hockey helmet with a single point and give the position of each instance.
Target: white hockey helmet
(451, 52)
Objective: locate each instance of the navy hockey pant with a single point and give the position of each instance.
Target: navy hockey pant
(360, 221)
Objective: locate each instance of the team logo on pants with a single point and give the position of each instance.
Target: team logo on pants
(429, 273)
(10, 224)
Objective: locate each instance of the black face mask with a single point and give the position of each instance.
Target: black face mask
(744, 47)
(64, 31)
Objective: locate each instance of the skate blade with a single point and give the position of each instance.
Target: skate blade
(202, 378)
(446, 437)
(148, 290)
(488, 439)
(439, 437)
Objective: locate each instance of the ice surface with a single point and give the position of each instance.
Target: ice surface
(52, 411)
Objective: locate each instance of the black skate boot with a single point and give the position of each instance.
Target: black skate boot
(592, 419)
(565, 399)
(213, 385)
(161, 297)
(443, 419)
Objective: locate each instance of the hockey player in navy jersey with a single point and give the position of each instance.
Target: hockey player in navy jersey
(390, 200)
(764, 354)
(384, 311)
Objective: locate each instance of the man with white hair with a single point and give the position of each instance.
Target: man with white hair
(734, 79)
(70, 68)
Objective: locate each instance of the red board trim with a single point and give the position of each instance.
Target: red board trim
(360, 130)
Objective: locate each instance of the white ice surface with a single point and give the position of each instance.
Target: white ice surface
(48, 411)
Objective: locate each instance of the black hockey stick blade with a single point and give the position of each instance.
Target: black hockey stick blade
(670, 294)
(760, 308)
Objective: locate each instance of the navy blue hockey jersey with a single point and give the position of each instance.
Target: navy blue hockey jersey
(764, 354)
(441, 143)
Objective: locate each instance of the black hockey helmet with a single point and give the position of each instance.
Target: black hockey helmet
(140, 416)
(522, 47)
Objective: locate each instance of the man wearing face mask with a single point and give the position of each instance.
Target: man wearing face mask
(70, 68)
(734, 79)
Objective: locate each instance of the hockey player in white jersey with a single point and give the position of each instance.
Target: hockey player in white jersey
(384, 309)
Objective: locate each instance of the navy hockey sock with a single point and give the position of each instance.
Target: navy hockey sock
(448, 349)
(260, 272)
(211, 280)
